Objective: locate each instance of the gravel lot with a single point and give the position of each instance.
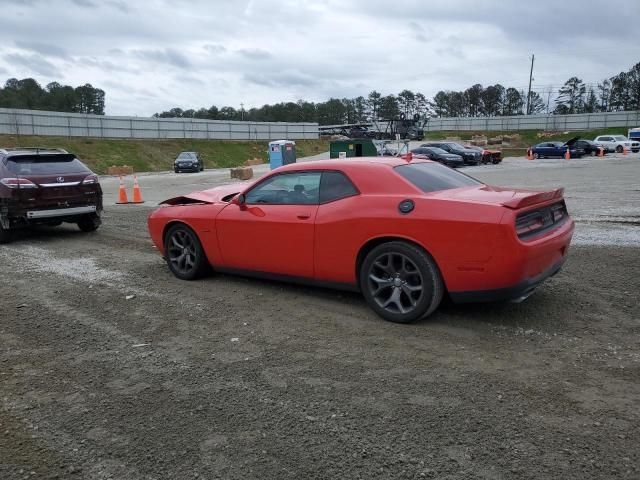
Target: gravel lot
(110, 368)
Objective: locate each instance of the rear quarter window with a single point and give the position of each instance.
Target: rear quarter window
(334, 186)
(433, 177)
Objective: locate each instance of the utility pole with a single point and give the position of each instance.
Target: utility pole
(241, 111)
(530, 80)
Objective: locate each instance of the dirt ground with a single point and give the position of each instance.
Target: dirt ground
(111, 368)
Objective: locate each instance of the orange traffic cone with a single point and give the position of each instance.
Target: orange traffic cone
(137, 196)
(601, 152)
(567, 155)
(624, 151)
(122, 194)
(529, 153)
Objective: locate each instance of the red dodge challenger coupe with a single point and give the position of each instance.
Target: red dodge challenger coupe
(404, 233)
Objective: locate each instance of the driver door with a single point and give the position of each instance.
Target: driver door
(273, 231)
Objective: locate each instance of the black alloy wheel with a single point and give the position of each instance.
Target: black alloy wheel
(184, 254)
(619, 149)
(401, 282)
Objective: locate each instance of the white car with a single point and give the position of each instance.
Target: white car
(616, 143)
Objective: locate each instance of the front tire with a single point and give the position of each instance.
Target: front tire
(184, 253)
(619, 149)
(401, 282)
(536, 156)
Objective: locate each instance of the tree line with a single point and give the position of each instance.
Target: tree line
(620, 92)
(28, 94)
(617, 93)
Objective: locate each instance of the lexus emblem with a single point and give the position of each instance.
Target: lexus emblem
(60, 179)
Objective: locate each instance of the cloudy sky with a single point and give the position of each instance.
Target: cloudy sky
(152, 55)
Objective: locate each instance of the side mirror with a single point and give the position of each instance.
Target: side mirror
(241, 200)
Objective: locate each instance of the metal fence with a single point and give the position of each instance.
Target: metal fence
(586, 121)
(36, 122)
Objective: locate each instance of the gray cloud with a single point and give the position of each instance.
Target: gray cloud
(46, 49)
(279, 79)
(214, 49)
(168, 56)
(254, 53)
(32, 63)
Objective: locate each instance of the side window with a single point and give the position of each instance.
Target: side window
(334, 186)
(298, 188)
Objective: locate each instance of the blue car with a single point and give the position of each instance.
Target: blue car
(558, 149)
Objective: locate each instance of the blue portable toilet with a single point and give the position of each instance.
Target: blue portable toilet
(281, 152)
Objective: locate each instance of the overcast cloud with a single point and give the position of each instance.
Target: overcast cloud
(152, 55)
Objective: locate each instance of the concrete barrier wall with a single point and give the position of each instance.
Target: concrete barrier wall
(36, 122)
(586, 121)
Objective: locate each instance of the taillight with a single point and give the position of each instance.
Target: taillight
(529, 223)
(534, 222)
(90, 180)
(18, 183)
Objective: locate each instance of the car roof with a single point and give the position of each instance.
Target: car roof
(350, 163)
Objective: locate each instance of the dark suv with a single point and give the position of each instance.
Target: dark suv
(188, 162)
(470, 157)
(47, 187)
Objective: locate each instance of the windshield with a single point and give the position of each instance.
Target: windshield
(433, 177)
(186, 156)
(45, 165)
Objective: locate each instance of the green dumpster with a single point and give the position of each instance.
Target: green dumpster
(353, 148)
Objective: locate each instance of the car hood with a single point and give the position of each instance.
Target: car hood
(506, 197)
(212, 195)
(571, 141)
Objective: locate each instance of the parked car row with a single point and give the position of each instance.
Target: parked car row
(455, 155)
(578, 147)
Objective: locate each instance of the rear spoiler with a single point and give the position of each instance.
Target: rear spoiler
(534, 198)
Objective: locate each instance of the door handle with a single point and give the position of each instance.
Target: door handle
(304, 217)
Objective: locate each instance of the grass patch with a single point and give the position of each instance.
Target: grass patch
(158, 155)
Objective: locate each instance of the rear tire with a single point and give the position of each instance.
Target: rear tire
(619, 149)
(401, 282)
(89, 224)
(184, 253)
(5, 235)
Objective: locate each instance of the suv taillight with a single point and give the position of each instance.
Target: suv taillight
(90, 180)
(18, 183)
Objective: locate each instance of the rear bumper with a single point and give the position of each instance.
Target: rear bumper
(16, 214)
(515, 292)
(61, 212)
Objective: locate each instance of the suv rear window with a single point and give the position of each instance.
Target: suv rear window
(45, 164)
(432, 177)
